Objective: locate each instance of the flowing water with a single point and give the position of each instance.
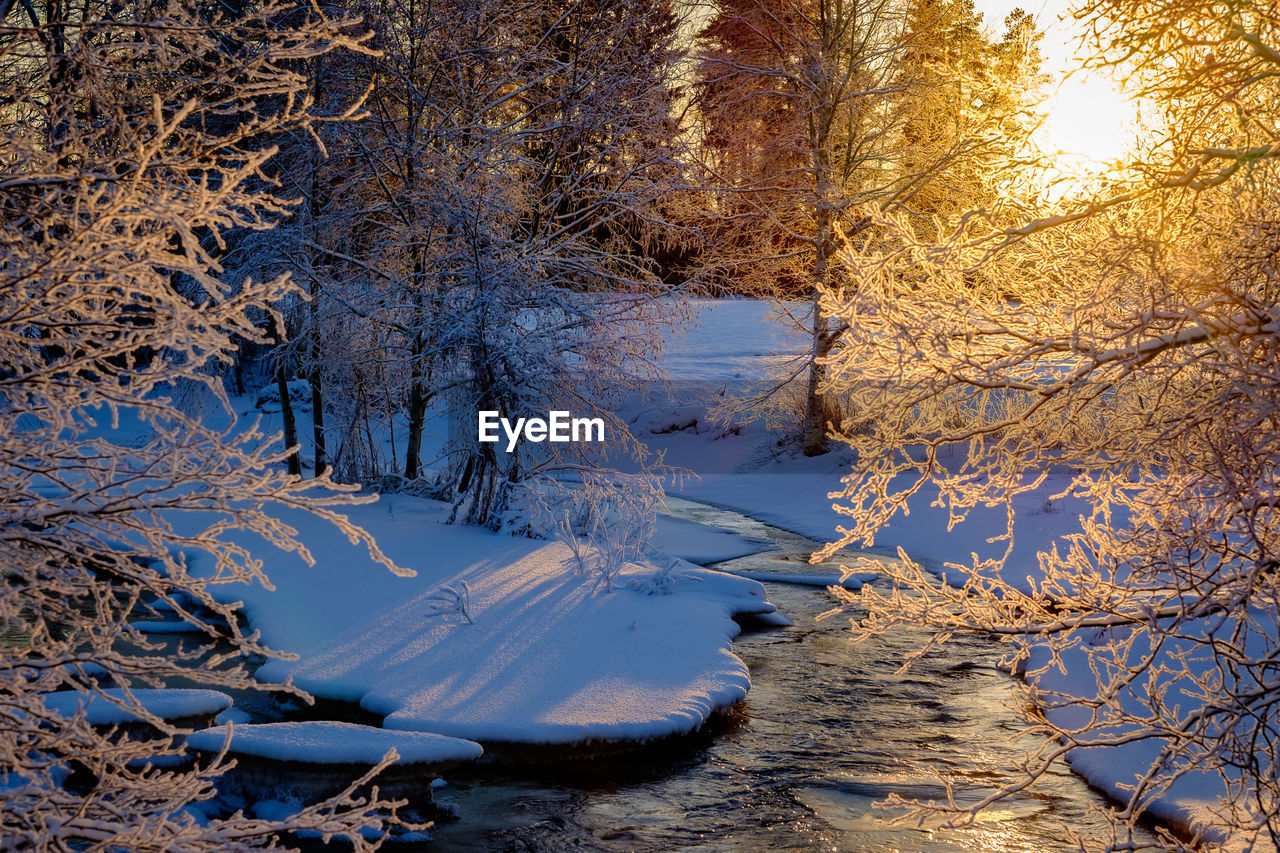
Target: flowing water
(828, 729)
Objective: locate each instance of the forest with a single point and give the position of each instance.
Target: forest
(264, 263)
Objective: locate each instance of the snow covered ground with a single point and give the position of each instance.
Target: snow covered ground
(732, 339)
(111, 705)
(536, 653)
(739, 340)
(530, 650)
(333, 743)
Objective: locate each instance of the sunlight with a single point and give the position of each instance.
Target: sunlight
(1090, 125)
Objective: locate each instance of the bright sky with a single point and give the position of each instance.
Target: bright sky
(1060, 36)
(1090, 123)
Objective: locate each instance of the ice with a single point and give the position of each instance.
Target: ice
(702, 543)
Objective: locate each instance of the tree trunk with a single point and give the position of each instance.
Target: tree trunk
(286, 407)
(314, 378)
(314, 374)
(290, 425)
(820, 409)
(822, 414)
(419, 374)
(417, 417)
(317, 423)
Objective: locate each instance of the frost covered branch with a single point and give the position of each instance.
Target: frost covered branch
(135, 148)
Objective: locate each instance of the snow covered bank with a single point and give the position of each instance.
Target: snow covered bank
(739, 341)
(732, 339)
(1130, 739)
(544, 658)
(333, 743)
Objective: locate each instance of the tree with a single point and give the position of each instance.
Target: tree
(1140, 359)
(817, 115)
(133, 143)
(560, 311)
(964, 108)
(792, 96)
(496, 220)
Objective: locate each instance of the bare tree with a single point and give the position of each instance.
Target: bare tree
(792, 96)
(816, 112)
(500, 208)
(133, 141)
(1133, 348)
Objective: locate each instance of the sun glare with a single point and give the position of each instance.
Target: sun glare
(1089, 126)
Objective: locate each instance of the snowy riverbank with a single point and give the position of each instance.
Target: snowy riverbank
(534, 654)
(741, 471)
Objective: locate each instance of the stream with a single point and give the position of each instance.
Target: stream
(828, 729)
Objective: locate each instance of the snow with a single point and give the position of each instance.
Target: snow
(167, 704)
(87, 667)
(807, 578)
(282, 810)
(233, 715)
(799, 501)
(333, 743)
(1189, 802)
(549, 658)
(156, 626)
(732, 339)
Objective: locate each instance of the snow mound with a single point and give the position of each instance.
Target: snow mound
(167, 704)
(333, 743)
(546, 658)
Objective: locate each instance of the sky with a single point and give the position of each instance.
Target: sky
(1090, 120)
(1060, 36)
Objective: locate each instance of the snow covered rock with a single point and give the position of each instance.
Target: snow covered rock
(299, 393)
(109, 708)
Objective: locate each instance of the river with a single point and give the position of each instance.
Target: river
(828, 729)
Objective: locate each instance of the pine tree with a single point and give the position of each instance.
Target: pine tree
(947, 83)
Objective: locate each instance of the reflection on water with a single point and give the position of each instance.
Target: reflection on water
(828, 730)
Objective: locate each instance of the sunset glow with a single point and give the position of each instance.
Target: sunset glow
(1090, 125)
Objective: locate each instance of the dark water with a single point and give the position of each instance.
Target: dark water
(828, 729)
